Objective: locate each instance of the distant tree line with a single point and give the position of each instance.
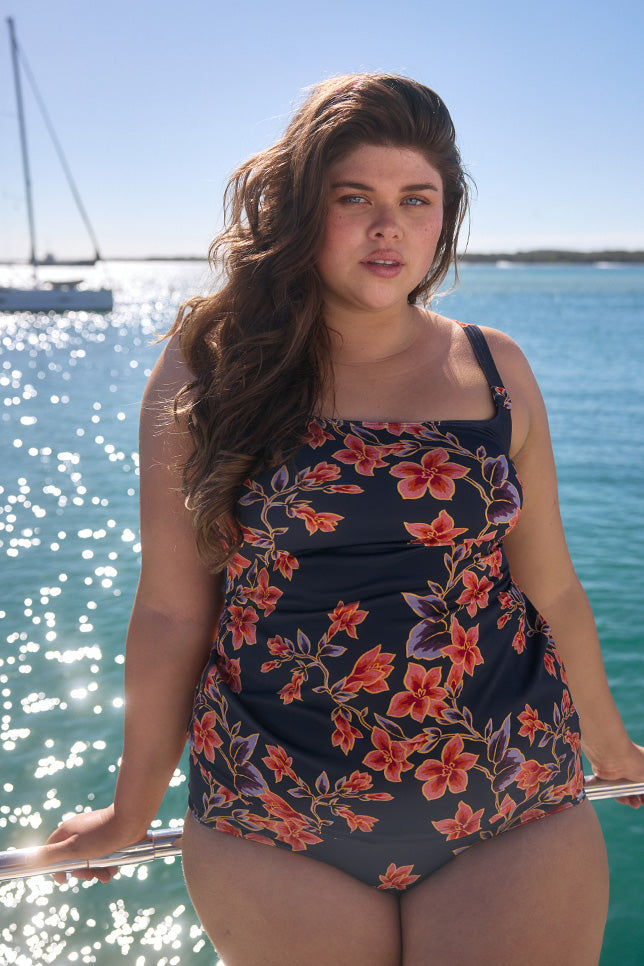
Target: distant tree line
(553, 256)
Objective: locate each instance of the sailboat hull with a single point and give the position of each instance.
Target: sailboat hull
(55, 300)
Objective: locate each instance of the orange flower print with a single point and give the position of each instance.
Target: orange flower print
(230, 671)
(345, 617)
(325, 522)
(531, 775)
(530, 723)
(357, 782)
(573, 738)
(441, 532)
(286, 563)
(242, 624)
(518, 641)
(422, 697)
(465, 822)
(316, 436)
(390, 756)
(262, 594)
(279, 762)
(414, 429)
(365, 458)
(450, 772)
(476, 593)
(295, 834)
(363, 823)
(322, 473)
(369, 672)
(435, 473)
(236, 566)
(463, 651)
(204, 737)
(549, 664)
(345, 734)
(278, 646)
(508, 805)
(397, 877)
(493, 562)
(223, 826)
(292, 691)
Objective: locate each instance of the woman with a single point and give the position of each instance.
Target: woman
(337, 507)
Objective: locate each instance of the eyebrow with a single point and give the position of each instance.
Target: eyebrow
(357, 186)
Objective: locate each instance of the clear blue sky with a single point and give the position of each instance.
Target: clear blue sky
(155, 102)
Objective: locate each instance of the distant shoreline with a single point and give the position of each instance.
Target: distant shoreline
(544, 256)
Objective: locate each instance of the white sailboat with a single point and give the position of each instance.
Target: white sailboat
(58, 296)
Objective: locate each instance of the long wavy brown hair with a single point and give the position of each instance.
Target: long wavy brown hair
(258, 349)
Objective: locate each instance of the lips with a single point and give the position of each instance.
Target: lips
(383, 257)
(384, 264)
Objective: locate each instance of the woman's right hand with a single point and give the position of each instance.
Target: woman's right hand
(87, 836)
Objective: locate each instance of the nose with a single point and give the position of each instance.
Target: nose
(385, 223)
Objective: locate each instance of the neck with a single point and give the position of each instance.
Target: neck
(359, 339)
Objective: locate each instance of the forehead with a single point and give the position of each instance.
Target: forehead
(384, 162)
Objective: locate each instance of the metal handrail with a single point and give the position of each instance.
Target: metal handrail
(162, 843)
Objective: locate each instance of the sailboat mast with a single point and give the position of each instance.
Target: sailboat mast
(23, 140)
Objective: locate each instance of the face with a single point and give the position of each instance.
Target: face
(384, 219)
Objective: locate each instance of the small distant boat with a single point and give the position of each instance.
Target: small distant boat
(56, 296)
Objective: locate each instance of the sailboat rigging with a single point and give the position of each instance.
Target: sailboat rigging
(54, 296)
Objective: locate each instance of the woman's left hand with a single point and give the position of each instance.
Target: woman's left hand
(629, 765)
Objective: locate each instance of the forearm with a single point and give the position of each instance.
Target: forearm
(164, 658)
(573, 629)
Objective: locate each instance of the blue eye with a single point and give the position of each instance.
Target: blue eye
(415, 202)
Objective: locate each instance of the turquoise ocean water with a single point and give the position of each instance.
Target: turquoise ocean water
(71, 386)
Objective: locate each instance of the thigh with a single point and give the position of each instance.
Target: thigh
(265, 906)
(534, 896)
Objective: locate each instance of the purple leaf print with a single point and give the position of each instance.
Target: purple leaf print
(498, 743)
(303, 642)
(280, 480)
(431, 435)
(249, 498)
(495, 471)
(235, 729)
(242, 748)
(432, 607)
(427, 639)
(507, 769)
(322, 784)
(331, 650)
(302, 474)
(298, 792)
(390, 727)
(453, 715)
(249, 780)
(433, 735)
(545, 738)
(556, 716)
(504, 505)
(480, 453)
(459, 553)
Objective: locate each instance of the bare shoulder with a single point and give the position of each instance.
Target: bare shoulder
(170, 373)
(519, 380)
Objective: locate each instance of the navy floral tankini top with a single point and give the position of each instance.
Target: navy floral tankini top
(380, 693)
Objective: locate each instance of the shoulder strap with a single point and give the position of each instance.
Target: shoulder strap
(484, 356)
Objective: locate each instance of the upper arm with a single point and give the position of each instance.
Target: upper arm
(174, 580)
(536, 548)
